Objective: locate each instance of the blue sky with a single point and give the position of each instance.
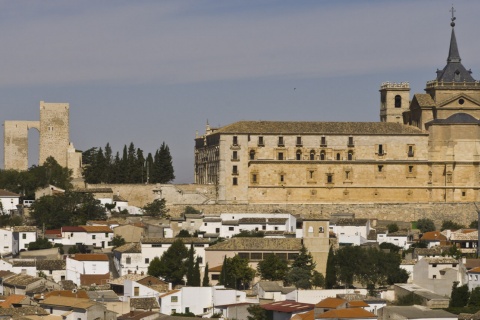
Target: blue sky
(153, 71)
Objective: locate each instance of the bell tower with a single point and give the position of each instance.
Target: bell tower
(394, 100)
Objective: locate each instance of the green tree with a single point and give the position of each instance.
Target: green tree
(453, 252)
(272, 267)
(389, 246)
(156, 208)
(236, 273)
(249, 234)
(191, 210)
(318, 280)
(39, 244)
(183, 234)
(166, 173)
(67, 209)
(173, 267)
(425, 225)
(392, 227)
(473, 224)
(474, 299)
(409, 300)
(460, 295)
(256, 312)
(451, 225)
(301, 271)
(118, 241)
(155, 267)
(190, 266)
(330, 274)
(206, 280)
(196, 273)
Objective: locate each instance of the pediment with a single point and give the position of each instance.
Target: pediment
(460, 101)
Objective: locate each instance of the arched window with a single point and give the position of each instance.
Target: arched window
(299, 155)
(312, 155)
(322, 155)
(398, 101)
(350, 155)
(320, 230)
(338, 156)
(310, 229)
(252, 154)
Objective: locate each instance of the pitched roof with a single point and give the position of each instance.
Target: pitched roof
(424, 99)
(474, 270)
(23, 263)
(258, 244)
(97, 229)
(72, 229)
(307, 127)
(169, 293)
(172, 240)
(90, 257)
(144, 303)
(67, 293)
(357, 304)
(9, 194)
(133, 247)
(54, 264)
(330, 303)
(89, 279)
(274, 286)
(288, 306)
(23, 311)
(440, 260)
(121, 280)
(21, 280)
(350, 313)
(309, 315)
(433, 236)
(25, 229)
(351, 222)
(77, 303)
(12, 299)
(136, 315)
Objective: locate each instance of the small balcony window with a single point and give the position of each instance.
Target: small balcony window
(299, 141)
(323, 141)
(350, 142)
(281, 143)
(235, 140)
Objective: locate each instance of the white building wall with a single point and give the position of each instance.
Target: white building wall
(9, 204)
(143, 291)
(198, 300)
(473, 281)
(171, 303)
(6, 241)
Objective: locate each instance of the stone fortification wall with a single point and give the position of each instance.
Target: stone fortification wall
(137, 194)
(462, 213)
(15, 145)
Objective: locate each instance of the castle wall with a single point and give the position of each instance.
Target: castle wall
(54, 132)
(15, 143)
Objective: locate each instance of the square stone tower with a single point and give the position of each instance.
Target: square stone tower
(54, 132)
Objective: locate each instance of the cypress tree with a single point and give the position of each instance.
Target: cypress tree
(331, 275)
(149, 168)
(190, 266)
(223, 274)
(205, 281)
(108, 164)
(166, 174)
(196, 273)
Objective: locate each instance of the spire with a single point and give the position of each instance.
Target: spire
(453, 55)
(454, 71)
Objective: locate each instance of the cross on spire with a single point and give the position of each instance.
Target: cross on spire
(453, 16)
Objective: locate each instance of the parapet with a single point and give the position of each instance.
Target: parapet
(395, 85)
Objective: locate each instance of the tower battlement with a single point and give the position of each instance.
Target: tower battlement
(395, 85)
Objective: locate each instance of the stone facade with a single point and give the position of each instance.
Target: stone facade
(55, 142)
(423, 150)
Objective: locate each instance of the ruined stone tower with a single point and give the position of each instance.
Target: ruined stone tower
(54, 139)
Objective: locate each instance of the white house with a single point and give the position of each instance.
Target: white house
(22, 236)
(438, 274)
(129, 259)
(9, 201)
(52, 269)
(351, 231)
(85, 269)
(24, 266)
(399, 238)
(473, 278)
(71, 308)
(6, 240)
(96, 236)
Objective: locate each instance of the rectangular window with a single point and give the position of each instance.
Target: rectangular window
(282, 178)
(147, 260)
(234, 155)
(235, 140)
(200, 259)
(380, 149)
(187, 309)
(215, 276)
(24, 236)
(136, 291)
(230, 228)
(280, 141)
(128, 260)
(329, 178)
(234, 170)
(235, 181)
(254, 178)
(410, 169)
(280, 156)
(410, 151)
(256, 256)
(380, 168)
(174, 299)
(299, 141)
(350, 142)
(260, 141)
(244, 255)
(93, 236)
(323, 141)
(282, 256)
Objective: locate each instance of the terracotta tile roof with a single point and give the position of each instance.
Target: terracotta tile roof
(98, 279)
(437, 250)
(358, 304)
(351, 313)
(433, 236)
(440, 260)
(150, 281)
(72, 229)
(472, 263)
(461, 236)
(136, 315)
(57, 233)
(82, 294)
(9, 194)
(144, 303)
(47, 264)
(90, 257)
(258, 244)
(12, 299)
(15, 313)
(309, 315)
(133, 247)
(119, 198)
(97, 229)
(77, 303)
(288, 306)
(212, 219)
(23, 263)
(169, 293)
(67, 284)
(6, 274)
(252, 221)
(330, 303)
(306, 127)
(474, 270)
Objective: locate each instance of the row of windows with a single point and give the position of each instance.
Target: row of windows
(380, 169)
(323, 154)
(258, 256)
(298, 142)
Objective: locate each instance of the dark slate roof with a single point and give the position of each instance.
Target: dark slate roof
(306, 127)
(457, 118)
(23, 311)
(454, 71)
(56, 264)
(23, 263)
